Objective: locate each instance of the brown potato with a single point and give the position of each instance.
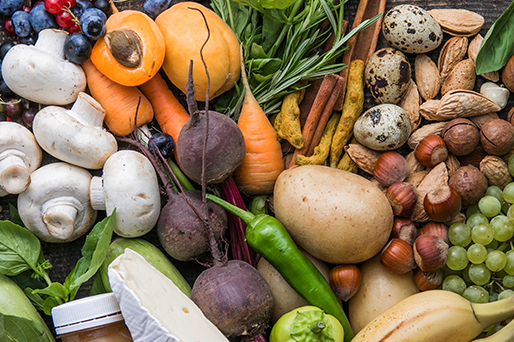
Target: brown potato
(379, 290)
(337, 216)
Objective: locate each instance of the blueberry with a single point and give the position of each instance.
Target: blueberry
(30, 39)
(92, 21)
(21, 23)
(6, 91)
(92, 11)
(5, 46)
(103, 5)
(77, 48)
(40, 19)
(80, 7)
(8, 7)
(164, 142)
(155, 7)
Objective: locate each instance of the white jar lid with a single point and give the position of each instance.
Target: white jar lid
(86, 313)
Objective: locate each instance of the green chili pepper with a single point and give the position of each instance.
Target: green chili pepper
(268, 237)
(307, 324)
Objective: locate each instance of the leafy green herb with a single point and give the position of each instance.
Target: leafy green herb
(20, 251)
(281, 46)
(498, 44)
(22, 329)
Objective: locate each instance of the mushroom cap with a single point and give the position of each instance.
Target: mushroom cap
(55, 206)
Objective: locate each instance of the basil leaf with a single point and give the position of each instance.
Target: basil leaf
(55, 290)
(277, 4)
(94, 253)
(98, 286)
(35, 299)
(20, 329)
(15, 216)
(49, 303)
(498, 44)
(20, 250)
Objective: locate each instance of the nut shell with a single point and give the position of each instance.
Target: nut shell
(461, 136)
(345, 281)
(431, 150)
(398, 256)
(391, 167)
(430, 252)
(442, 204)
(497, 137)
(470, 183)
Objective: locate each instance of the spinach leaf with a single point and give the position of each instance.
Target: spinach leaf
(20, 329)
(20, 250)
(498, 44)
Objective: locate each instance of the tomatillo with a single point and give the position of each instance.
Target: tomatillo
(307, 324)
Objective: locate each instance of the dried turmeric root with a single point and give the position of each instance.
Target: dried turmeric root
(287, 121)
(321, 151)
(346, 163)
(352, 109)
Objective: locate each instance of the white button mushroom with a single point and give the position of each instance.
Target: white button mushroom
(40, 73)
(129, 185)
(75, 135)
(55, 207)
(20, 155)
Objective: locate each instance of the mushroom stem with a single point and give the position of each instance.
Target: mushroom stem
(59, 216)
(14, 172)
(52, 41)
(87, 110)
(96, 193)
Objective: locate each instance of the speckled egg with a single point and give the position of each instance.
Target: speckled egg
(387, 75)
(411, 29)
(383, 128)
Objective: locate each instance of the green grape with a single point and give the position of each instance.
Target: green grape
(508, 193)
(454, 283)
(505, 294)
(477, 253)
(479, 274)
(496, 261)
(490, 206)
(509, 265)
(508, 281)
(457, 258)
(503, 228)
(482, 233)
(472, 209)
(476, 294)
(493, 297)
(459, 234)
(510, 164)
(475, 219)
(505, 207)
(495, 191)
(510, 213)
(465, 274)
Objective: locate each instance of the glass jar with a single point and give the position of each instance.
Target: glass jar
(92, 319)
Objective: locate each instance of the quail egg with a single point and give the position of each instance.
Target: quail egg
(387, 75)
(411, 29)
(384, 127)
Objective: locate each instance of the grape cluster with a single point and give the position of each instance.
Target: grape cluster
(480, 264)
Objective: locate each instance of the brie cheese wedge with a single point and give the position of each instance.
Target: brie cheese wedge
(154, 308)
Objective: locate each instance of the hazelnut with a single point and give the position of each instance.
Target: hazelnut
(437, 228)
(397, 256)
(431, 150)
(461, 136)
(405, 229)
(391, 167)
(428, 280)
(470, 183)
(402, 196)
(497, 137)
(345, 280)
(508, 74)
(430, 252)
(442, 203)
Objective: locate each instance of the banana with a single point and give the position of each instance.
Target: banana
(435, 316)
(506, 334)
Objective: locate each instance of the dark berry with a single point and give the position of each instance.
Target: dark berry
(26, 8)
(21, 23)
(75, 28)
(77, 48)
(64, 19)
(80, 7)
(5, 90)
(28, 116)
(8, 7)
(40, 19)
(13, 109)
(93, 23)
(68, 4)
(155, 7)
(5, 46)
(164, 143)
(30, 39)
(8, 28)
(2, 117)
(103, 5)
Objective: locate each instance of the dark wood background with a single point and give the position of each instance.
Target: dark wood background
(64, 256)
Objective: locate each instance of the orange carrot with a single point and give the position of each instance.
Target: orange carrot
(263, 159)
(168, 112)
(119, 102)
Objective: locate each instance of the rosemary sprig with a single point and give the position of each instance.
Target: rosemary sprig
(281, 46)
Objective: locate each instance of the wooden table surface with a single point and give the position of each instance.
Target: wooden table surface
(64, 256)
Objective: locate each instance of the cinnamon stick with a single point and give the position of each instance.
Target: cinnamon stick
(318, 107)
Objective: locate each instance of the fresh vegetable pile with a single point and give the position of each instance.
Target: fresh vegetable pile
(256, 170)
